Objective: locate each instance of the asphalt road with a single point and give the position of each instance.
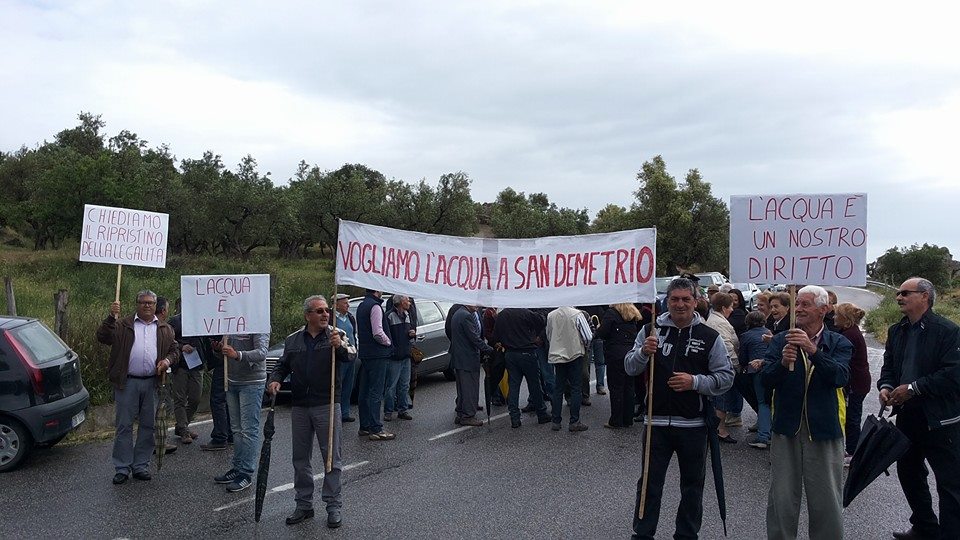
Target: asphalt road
(434, 481)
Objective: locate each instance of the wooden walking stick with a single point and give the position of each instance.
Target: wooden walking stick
(648, 419)
(116, 297)
(793, 311)
(333, 388)
(226, 381)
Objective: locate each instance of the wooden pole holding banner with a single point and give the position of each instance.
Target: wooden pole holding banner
(116, 297)
(649, 419)
(793, 311)
(333, 382)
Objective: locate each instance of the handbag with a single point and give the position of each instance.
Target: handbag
(416, 355)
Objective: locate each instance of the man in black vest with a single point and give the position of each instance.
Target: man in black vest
(375, 350)
(691, 363)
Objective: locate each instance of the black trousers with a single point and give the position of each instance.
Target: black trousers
(940, 448)
(621, 389)
(690, 445)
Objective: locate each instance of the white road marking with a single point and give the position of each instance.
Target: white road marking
(285, 487)
(465, 428)
(200, 423)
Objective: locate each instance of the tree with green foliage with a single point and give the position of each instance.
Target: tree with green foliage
(692, 225)
(899, 264)
(515, 215)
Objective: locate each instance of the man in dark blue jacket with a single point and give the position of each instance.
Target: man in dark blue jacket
(308, 359)
(807, 367)
(375, 350)
(921, 379)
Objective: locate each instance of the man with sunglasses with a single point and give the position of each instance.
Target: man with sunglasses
(920, 378)
(308, 359)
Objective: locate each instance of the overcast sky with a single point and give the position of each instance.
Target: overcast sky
(566, 98)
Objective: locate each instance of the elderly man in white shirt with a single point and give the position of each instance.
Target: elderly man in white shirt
(569, 333)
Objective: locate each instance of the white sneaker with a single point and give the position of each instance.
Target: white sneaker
(760, 445)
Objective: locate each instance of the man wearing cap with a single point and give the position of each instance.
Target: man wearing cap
(348, 323)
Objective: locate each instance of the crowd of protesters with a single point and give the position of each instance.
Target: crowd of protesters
(710, 353)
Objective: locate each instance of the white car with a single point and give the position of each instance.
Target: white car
(750, 292)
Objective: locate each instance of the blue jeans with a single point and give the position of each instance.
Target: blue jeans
(567, 373)
(523, 365)
(396, 396)
(547, 375)
(244, 402)
(346, 388)
(373, 375)
(599, 363)
(763, 415)
(221, 432)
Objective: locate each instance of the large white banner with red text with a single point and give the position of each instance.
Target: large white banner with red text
(537, 272)
(123, 236)
(799, 239)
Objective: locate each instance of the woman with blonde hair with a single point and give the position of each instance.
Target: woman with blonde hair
(847, 317)
(618, 330)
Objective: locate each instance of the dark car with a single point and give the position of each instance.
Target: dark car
(41, 395)
(431, 339)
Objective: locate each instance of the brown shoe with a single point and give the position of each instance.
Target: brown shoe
(194, 435)
(186, 439)
(472, 421)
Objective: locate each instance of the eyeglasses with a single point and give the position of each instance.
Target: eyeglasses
(319, 311)
(907, 293)
(146, 303)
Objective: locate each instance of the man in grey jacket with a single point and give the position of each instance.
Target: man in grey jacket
(247, 375)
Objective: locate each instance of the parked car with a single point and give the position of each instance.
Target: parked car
(750, 292)
(430, 339)
(711, 278)
(41, 395)
(662, 283)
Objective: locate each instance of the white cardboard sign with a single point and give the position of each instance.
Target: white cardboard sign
(799, 239)
(124, 236)
(590, 269)
(225, 305)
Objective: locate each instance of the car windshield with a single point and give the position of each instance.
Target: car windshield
(662, 283)
(743, 286)
(40, 343)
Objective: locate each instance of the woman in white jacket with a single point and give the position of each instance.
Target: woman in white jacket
(721, 306)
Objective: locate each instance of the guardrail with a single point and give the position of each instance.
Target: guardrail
(881, 284)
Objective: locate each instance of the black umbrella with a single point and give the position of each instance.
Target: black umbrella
(487, 386)
(881, 444)
(712, 423)
(263, 469)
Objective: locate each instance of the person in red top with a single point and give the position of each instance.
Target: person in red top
(847, 317)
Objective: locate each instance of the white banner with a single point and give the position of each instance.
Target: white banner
(537, 272)
(225, 305)
(799, 239)
(122, 236)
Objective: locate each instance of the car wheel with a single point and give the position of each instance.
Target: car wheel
(15, 444)
(449, 374)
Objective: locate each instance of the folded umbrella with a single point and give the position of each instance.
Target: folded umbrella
(160, 422)
(263, 468)
(716, 465)
(881, 444)
(487, 387)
